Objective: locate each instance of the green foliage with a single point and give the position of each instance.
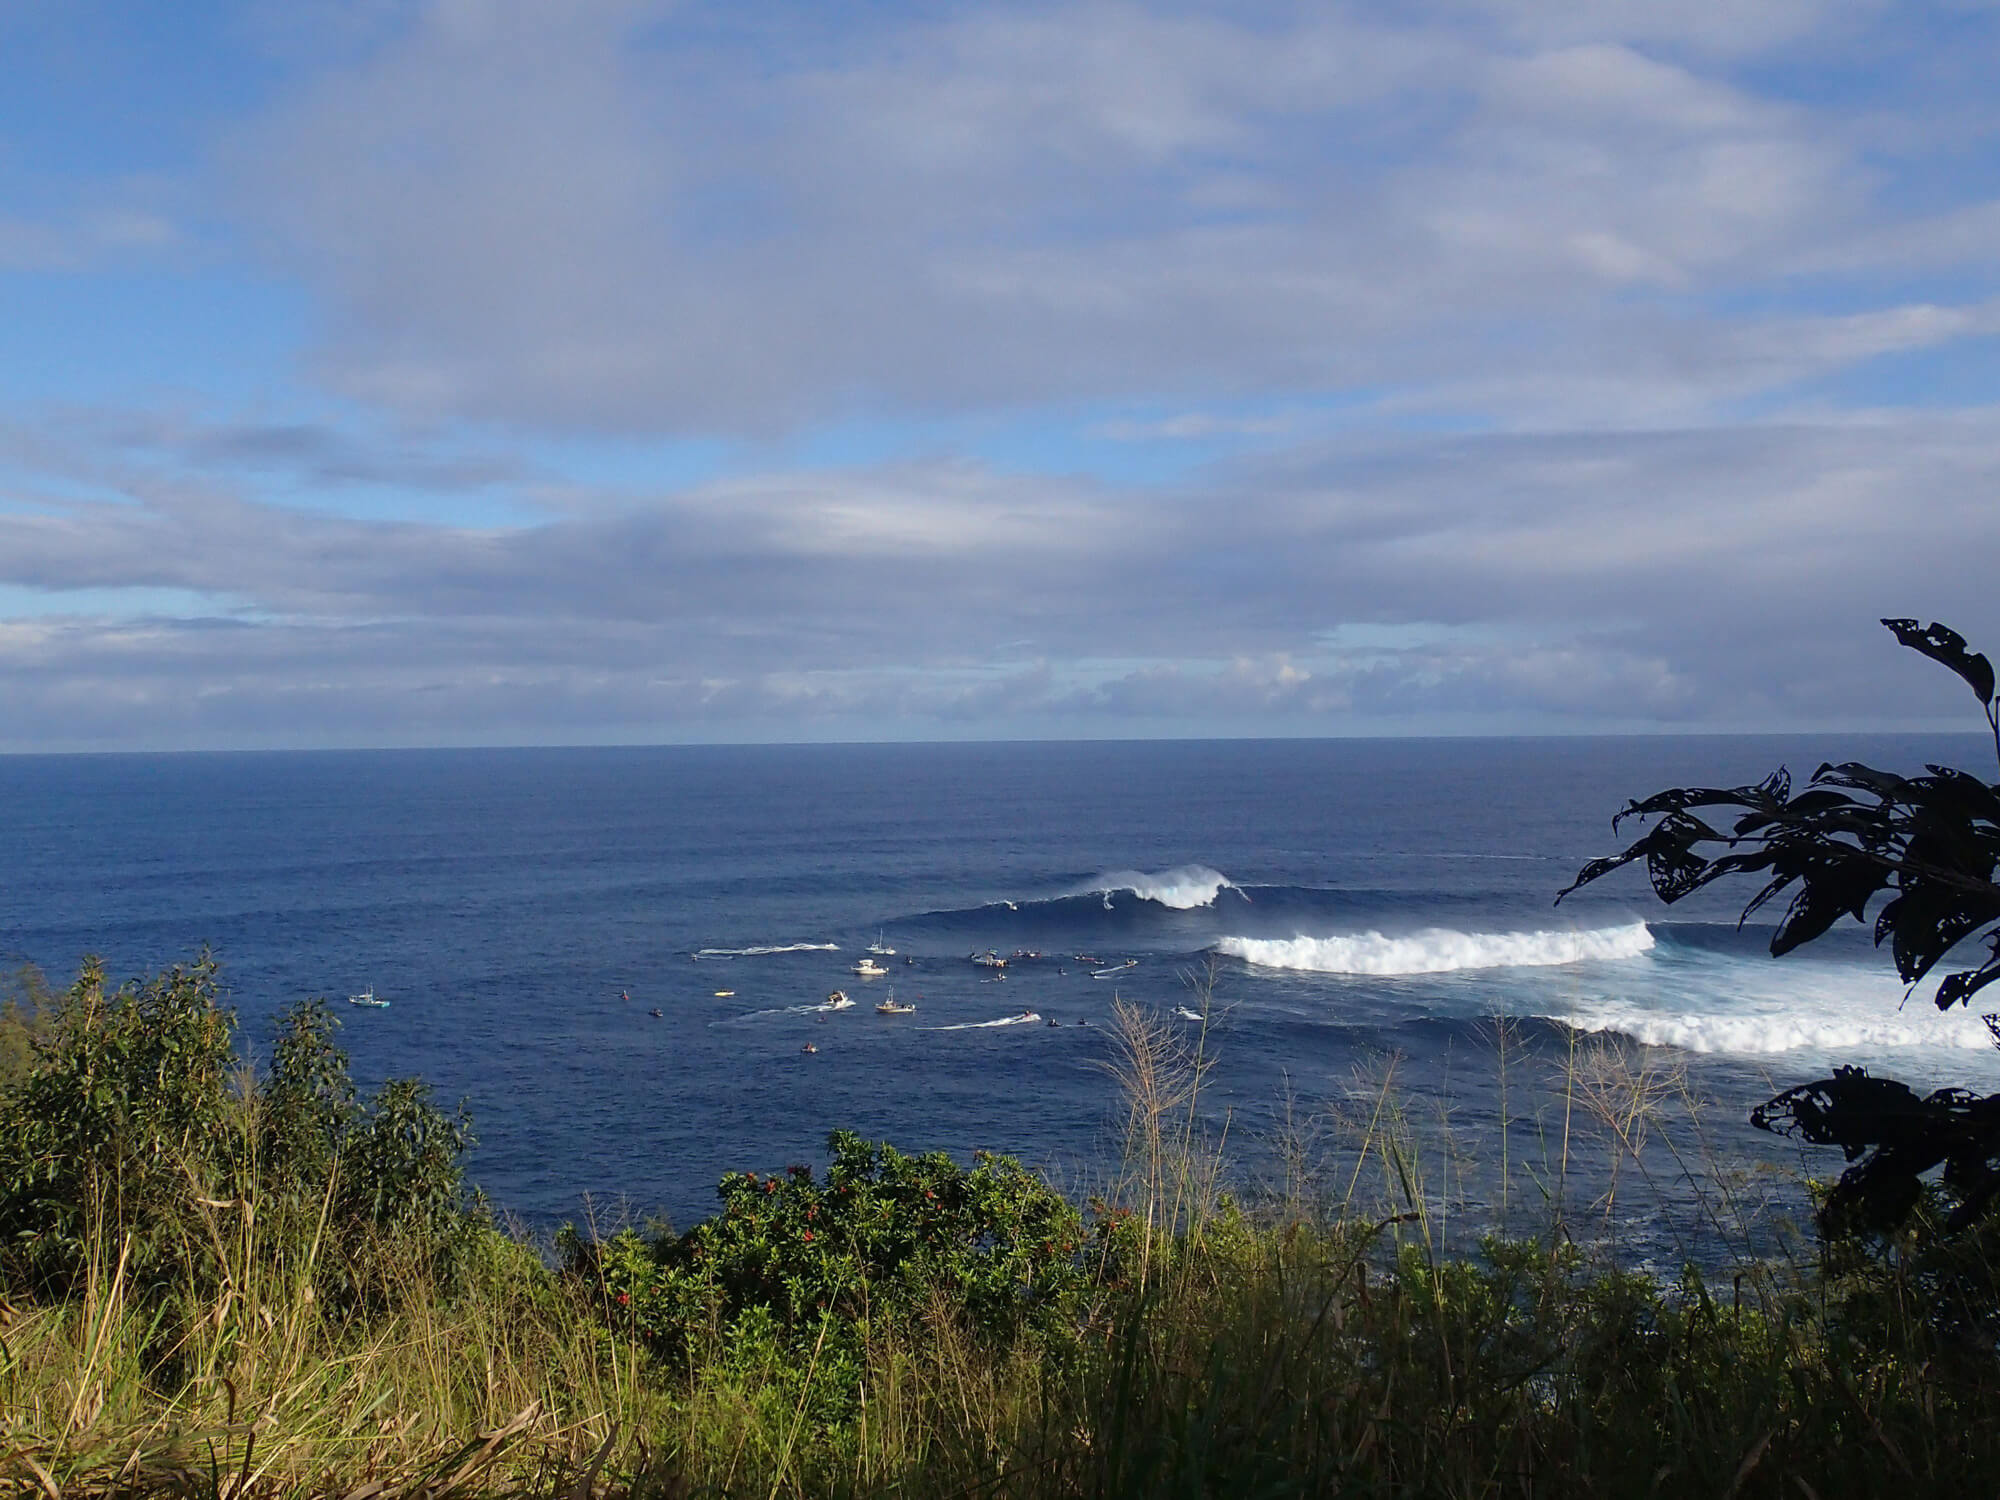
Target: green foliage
(25, 1015)
(135, 1122)
(125, 1113)
(794, 1264)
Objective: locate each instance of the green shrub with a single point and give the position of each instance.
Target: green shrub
(805, 1264)
(137, 1121)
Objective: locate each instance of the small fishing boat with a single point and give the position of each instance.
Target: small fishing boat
(867, 968)
(880, 948)
(988, 960)
(368, 998)
(894, 1007)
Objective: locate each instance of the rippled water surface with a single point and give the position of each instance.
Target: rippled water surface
(1370, 906)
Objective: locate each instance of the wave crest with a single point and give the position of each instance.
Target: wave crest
(1761, 1034)
(1183, 888)
(1438, 950)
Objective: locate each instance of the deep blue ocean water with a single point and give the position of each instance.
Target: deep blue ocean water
(1360, 900)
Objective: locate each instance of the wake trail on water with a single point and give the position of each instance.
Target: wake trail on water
(1439, 950)
(1182, 888)
(822, 1008)
(762, 952)
(1030, 1019)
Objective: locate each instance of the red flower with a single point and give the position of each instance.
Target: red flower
(624, 1298)
(809, 1234)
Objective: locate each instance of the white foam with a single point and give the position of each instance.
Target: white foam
(1439, 950)
(1023, 1020)
(1757, 1035)
(763, 951)
(1183, 888)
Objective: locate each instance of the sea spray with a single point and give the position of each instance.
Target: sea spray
(1438, 950)
(1182, 888)
(1764, 1035)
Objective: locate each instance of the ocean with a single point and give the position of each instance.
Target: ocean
(617, 956)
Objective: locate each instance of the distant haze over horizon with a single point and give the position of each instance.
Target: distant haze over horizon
(473, 372)
(1971, 748)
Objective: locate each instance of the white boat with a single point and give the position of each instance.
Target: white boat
(894, 1007)
(837, 1001)
(1130, 963)
(880, 948)
(1186, 1013)
(367, 998)
(869, 969)
(989, 960)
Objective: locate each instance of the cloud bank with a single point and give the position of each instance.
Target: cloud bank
(677, 371)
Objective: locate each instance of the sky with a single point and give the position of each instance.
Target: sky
(486, 373)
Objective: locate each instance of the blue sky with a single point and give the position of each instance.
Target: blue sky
(497, 373)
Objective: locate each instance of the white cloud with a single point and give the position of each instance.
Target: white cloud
(1699, 579)
(641, 218)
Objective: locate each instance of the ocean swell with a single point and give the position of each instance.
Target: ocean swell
(1183, 888)
(1438, 950)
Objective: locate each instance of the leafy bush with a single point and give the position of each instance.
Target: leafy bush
(136, 1121)
(808, 1264)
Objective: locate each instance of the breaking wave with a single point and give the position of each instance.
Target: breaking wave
(763, 951)
(1438, 950)
(1755, 1035)
(1183, 888)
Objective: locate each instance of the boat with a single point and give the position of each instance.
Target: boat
(367, 998)
(725, 994)
(655, 1014)
(1130, 963)
(867, 968)
(808, 1047)
(894, 1007)
(881, 948)
(838, 1001)
(1187, 1013)
(988, 960)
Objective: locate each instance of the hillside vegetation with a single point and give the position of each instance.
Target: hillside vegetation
(232, 1282)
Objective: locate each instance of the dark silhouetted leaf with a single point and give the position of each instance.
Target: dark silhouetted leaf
(1931, 845)
(1947, 647)
(1961, 987)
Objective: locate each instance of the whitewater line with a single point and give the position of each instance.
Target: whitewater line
(1438, 950)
